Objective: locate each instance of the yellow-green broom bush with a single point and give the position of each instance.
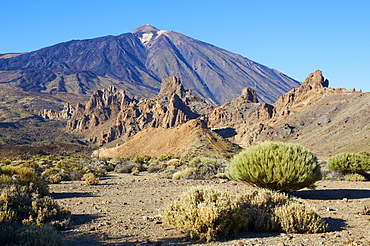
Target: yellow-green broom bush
(207, 214)
(210, 215)
(349, 163)
(29, 235)
(277, 166)
(260, 205)
(90, 179)
(295, 217)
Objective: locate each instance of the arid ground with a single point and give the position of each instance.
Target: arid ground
(125, 210)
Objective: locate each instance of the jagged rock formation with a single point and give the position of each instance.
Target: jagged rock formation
(111, 114)
(313, 115)
(175, 121)
(65, 114)
(314, 87)
(240, 111)
(137, 62)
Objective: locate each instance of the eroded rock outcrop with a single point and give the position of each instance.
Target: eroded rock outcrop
(241, 110)
(111, 114)
(313, 88)
(65, 114)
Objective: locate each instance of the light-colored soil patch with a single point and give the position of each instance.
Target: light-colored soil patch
(125, 210)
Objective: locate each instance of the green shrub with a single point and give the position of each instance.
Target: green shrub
(207, 214)
(20, 205)
(165, 157)
(90, 179)
(173, 163)
(278, 166)
(354, 177)
(23, 176)
(349, 163)
(184, 174)
(30, 235)
(206, 168)
(127, 167)
(295, 217)
(46, 210)
(52, 175)
(210, 215)
(260, 205)
(141, 159)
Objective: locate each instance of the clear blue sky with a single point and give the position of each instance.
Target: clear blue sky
(295, 37)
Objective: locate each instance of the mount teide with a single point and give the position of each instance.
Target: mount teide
(137, 62)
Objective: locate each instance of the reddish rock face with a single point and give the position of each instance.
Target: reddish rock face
(111, 114)
(314, 86)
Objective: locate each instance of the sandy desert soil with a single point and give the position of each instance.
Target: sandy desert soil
(125, 210)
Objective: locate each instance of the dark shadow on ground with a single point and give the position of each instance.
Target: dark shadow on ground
(99, 239)
(336, 194)
(70, 195)
(79, 219)
(226, 132)
(335, 224)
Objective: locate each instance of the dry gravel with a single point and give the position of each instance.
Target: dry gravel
(125, 210)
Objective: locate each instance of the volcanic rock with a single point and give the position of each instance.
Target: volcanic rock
(240, 110)
(137, 62)
(110, 114)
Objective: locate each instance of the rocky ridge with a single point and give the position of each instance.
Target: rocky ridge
(111, 114)
(313, 115)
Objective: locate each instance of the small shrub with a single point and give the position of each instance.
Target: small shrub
(90, 179)
(184, 174)
(42, 236)
(154, 167)
(295, 217)
(7, 215)
(52, 175)
(354, 177)
(206, 168)
(141, 159)
(168, 173)
(20, 235)
(349, 163)
(273, 165)
(24, 175)
(75, 175)
(165, 157)
(365, 211)
(46, 210)
(173, 163)
(135, 171)
(260, 205)
(127, 168)
(365, 153)
(207, 214)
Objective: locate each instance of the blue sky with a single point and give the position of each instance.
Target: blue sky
(295, 37)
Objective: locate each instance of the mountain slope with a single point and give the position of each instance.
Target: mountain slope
(327, 121)
(137, 62)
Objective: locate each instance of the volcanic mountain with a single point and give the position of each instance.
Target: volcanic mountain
(137, 62)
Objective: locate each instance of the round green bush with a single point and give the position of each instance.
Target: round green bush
(277, 166)
(349, 163)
